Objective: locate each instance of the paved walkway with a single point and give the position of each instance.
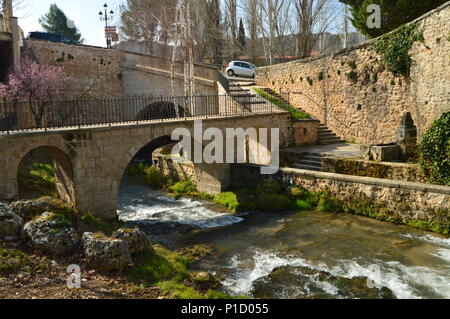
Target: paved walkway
(332, 150)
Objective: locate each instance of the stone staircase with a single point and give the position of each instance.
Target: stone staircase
(277, 95)
(326, 136)
(241, 91)
(310, 161)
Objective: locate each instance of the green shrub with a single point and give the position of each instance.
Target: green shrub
(434, 151)
(183, 188)
(229, 200)
(352, 64)
(149, 174)
(274, 203)
(352, 76)
(321, 76)
(297, 193)
(269, 186)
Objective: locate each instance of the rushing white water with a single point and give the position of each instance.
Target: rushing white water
(412, 264)
(141, 203)
(403, 281)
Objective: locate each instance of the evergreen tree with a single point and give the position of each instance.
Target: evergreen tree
(394, 13)
(56, 21)
(242, 38)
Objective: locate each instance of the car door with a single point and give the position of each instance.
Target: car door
(238, 68)
(247, 69)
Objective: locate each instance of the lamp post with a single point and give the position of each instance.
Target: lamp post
(106, 17)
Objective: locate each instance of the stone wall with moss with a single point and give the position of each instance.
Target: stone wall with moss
(359, 98)
(177, 171)
(395, 171)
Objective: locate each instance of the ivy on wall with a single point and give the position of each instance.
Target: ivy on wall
(434, 151)
(394, 48)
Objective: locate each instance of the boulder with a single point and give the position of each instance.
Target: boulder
(10, 223)
(29, 209)
(136, 239)
(105, 253)
(52, 233)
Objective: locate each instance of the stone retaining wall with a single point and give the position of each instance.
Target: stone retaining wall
(401, 201)
(395, 171)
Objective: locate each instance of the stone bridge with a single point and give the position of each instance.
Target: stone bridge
(90, 162)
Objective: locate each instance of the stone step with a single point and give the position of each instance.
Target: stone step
(253, 102)
(308, 168)
(330, 141)
(327, 135)
(312, 158)
(310, 163)
(244, 95)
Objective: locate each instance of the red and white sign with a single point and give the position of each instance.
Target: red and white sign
(110, 29)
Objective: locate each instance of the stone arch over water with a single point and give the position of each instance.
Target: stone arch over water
(63, 168)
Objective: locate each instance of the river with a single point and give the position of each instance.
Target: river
(305, 254)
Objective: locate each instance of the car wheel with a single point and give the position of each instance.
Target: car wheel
(230, 72)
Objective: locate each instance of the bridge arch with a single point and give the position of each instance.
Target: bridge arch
(141, 152)
(61, 155)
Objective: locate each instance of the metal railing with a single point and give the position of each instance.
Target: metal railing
(22, 116)
(224, 82)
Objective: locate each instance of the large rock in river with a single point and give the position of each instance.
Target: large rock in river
(106, 253)
(52, 233)
(10, 223)
(136, 239)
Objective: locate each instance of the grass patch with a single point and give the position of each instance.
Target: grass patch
(160, 264)
(105, 226)
(12, 260)
(168, 270)
(294, 112)
(38, 180)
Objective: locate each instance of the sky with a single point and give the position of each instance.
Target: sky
(83, 12)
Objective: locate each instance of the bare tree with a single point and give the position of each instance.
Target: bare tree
(149, 21)
(251, 8)
(271, 21)
(231, 25)
(313, 18)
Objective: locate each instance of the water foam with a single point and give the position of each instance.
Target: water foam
(402, 280)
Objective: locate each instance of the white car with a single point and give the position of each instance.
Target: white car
(241, 68)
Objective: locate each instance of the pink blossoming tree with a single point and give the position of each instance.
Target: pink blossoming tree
(36, 83)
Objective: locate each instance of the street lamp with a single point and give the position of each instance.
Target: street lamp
(106, 17)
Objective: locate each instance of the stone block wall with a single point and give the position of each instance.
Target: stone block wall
(394, 171)
(403, 201)
(369, 109)
(305, 132)
(93, 72)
